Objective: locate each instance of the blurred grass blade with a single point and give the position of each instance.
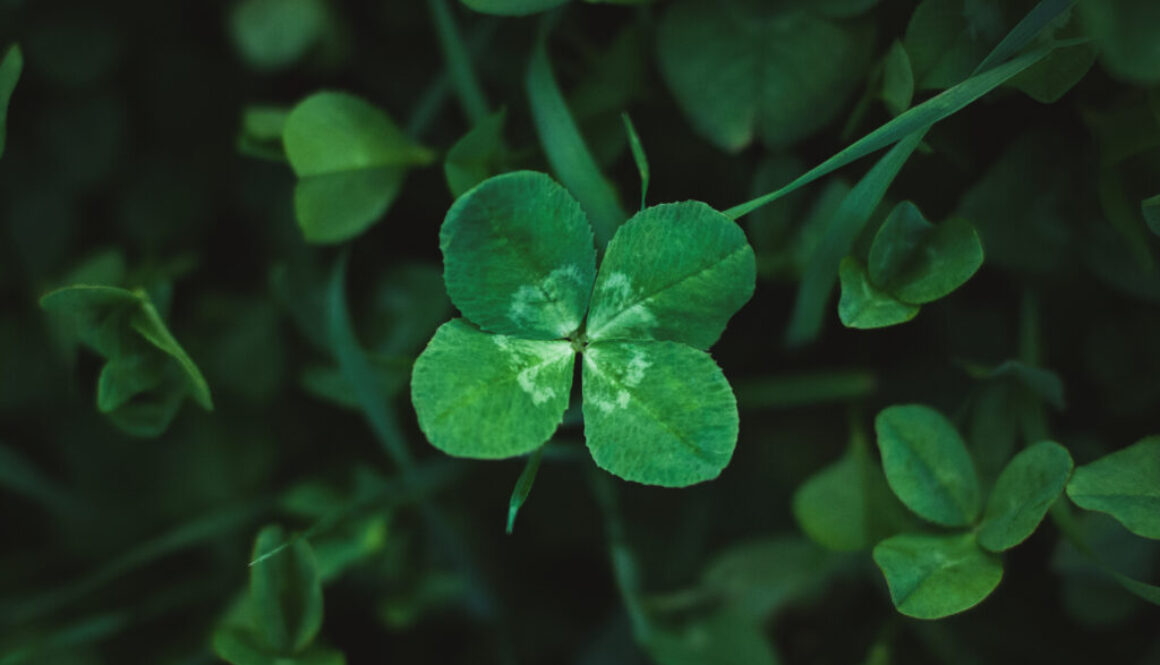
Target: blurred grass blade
(19, 476)
(523, 487)
(355, 367)
(567, 153)
(822, 270)
(638, 156)
(463, 78)
(10, 68)
(918, 118)
(1040, 16)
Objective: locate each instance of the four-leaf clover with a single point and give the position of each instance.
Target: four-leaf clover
(520, 265)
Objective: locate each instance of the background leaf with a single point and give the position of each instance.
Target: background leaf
(934, 576)
(477, 156)
(1024, 492)
(1124, 484)
(863, 305)
(285, 593)
(350, 160)
(512, 7)
(927, 464)
(10, 68)
(741, 70)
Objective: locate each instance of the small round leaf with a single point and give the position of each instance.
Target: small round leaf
(933, 576)
(1024, 492)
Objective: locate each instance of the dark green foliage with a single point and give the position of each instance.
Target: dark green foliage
(791, 332)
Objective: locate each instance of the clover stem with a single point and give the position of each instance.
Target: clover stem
(579, 340)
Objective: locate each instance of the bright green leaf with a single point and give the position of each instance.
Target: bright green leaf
(274, 34)
(863, 305)
(657, 413)
(676, 272)
(285, 592)
(350, 160)
(518, 256)
(933, 576)
(897, 79)
(1151, 209)
(490, 396)
(10, 68)
(512, 7)
(741, 69)
(919, 262)
(1124, 484)
(476, 156)
(927, 464)
(1025, 490)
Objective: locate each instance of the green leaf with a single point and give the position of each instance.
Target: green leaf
(918, 262)
(237, 646)
(1151, 209)
(477, 156)
(847, 222)
(512, 7)
(128, 375)
(261, 132)
(1025, 490)
(148, 323)
(946, 39)
(897, 79)
(1049, 80)
(933, 576)
(847, 506)
(565, 149)
(350, 160)
(1124, 484)
(518, 256)
(1126, 31)
(274, 34)
(285, 593)
(863, 305)
(759, 577)
(657, 413)
(841, 8)
(927, 464)
(490, 396)
(698, 272)
(1043, 383)
(723, 637)
(741, 69)
(95, 313)
(10, 68)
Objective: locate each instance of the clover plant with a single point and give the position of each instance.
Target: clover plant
(520, 264)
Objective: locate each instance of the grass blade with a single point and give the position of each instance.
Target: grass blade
(523, 487)
(638, 156)
(1040, 16)
(565, 148)
(467, 87)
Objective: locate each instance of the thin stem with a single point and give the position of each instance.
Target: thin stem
(467, 87)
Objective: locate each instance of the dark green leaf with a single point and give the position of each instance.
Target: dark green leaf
(10, 68)
(261, 132)
(350, 160)
(933, 576)
(237, 646)
(759, 577)
(927, 464)
(698, 272)
(863, 305)
(477, 156)
(1049, 80)
(490, 396)
(946, 39)
(1025, 490)
(1126, 30)
(285, 593)
(518, 256)
(918, 262)
(1124, 484)
(743, 69)
(274, 34)
(657, 413)
(897, 79)
(512, 7)
(1151, 209)
(723, 637)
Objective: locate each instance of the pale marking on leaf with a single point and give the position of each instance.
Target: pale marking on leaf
(632, 376)
(617, 291)
(528, 301)
(540, 354)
